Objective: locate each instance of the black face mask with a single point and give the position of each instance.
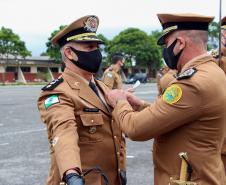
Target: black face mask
(89, 61)
(169, 57)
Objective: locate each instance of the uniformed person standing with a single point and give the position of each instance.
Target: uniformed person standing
(112, 75)
(164, 76)
(215, 52)
(222, 63)
(223, 44)
(81, 132)
(190, 116)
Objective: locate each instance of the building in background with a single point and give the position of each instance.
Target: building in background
(29, 69)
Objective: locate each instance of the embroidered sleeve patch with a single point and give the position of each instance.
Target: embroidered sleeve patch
(172, 94)
(51, 101)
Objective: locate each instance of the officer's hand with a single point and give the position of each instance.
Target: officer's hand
(114, 96)
(74, 179)
(134, 101)
(130, 89)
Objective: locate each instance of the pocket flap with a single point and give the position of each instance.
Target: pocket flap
(92, 119)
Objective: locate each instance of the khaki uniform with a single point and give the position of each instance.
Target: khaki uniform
(223, 63)
(112, 78)
(189, 117)
(164, 79)
(81, 131)
(223, 67)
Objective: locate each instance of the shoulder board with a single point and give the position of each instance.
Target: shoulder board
(52, 85)
(186, 74)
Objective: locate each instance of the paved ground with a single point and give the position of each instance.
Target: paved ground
(24, 156)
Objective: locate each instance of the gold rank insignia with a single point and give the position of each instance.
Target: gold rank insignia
(172, 94)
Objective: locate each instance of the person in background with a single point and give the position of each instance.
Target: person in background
(164, 76)
(112, 75)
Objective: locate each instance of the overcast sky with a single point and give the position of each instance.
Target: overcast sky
(34, 20)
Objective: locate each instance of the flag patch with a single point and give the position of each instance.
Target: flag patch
(51, 101)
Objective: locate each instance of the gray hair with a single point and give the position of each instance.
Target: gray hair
(196, 36)
(63, 57)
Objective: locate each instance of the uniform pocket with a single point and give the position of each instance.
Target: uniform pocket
(91, 128)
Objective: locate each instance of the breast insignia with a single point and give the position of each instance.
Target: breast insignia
(52, 85)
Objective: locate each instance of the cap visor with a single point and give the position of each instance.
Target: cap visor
(161, 40)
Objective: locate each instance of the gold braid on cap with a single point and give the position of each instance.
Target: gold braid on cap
(80, 36)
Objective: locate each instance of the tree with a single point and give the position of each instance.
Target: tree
(11, 44)
(156, 34)
(54, 50)
(213, 35)
(136, 44)
(103, 47)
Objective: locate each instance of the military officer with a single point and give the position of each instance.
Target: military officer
(164, 77)
(87, 147)
(223, 66)
(112, 75)
(190, 116)
(223, 44)
(215, 52)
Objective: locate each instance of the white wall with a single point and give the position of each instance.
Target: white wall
(33, 69)
(2, 69)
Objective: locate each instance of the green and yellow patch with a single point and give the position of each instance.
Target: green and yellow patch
(172, 94)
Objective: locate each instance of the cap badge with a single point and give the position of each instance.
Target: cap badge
(91, 24)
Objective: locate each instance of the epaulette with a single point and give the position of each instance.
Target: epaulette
(186, 74)
(52, 85)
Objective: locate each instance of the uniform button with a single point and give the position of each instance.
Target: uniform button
(118, 153)
(119, 170)
(92, 120)
(115, 137)
(92, 130)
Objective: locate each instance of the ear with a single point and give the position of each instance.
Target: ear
(70, 54)
(180, 43)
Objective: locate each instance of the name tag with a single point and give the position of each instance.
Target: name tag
(91, 110)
